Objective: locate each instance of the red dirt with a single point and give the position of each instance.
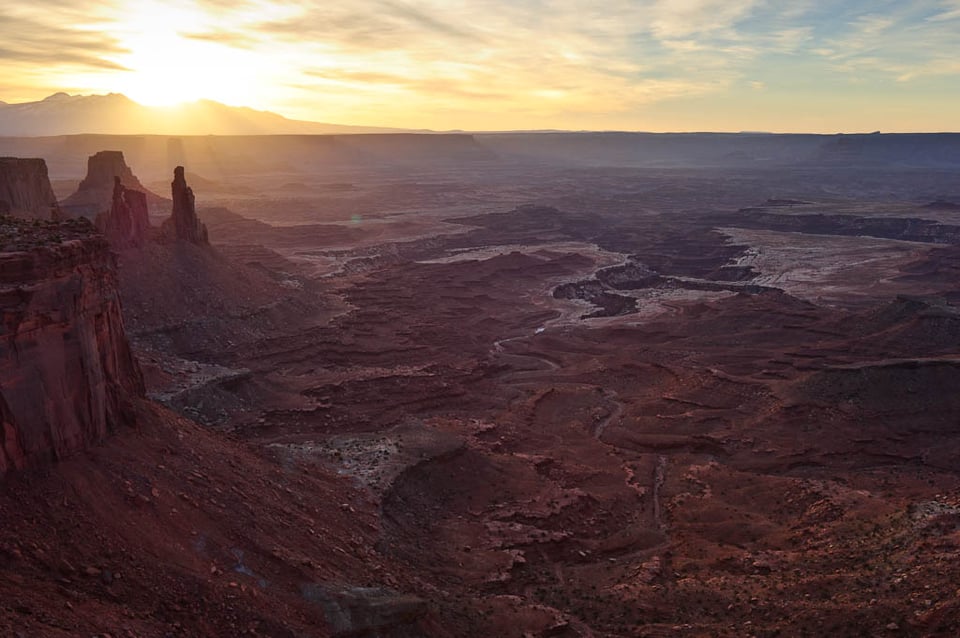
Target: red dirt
(763, 452)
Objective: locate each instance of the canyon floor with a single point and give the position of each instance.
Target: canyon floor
(497, 400)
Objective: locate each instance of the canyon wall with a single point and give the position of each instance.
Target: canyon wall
(67, 374)
(25, 189)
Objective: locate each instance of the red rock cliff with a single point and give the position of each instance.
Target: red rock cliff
(25, 189)
(67, 374)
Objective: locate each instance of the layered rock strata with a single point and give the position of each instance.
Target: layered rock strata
(67, 374)
(25, 189)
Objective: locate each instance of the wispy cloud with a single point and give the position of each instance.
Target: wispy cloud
(788, 40)
(680, 18)
(906, 44)
(950, 10)
(936, 67)
(29, 36)
(480, 63)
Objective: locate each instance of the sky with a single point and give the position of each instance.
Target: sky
(645, 65)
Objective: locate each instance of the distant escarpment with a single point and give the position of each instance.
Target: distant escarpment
(67, 374)
(942, 204)
(25, 189)
(902, 228)
(183, 222)
(127, 223)
(95, 194)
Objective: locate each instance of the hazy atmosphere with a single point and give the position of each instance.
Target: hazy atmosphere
(655, 65)
(479, 319)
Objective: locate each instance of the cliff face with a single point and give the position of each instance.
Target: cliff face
(25, 189)
(127, 224)
(183, 222)
(67, 374)
(96, 192)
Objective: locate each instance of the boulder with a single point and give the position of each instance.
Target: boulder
(366, 611)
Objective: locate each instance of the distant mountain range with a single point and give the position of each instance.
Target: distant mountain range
(116, 114)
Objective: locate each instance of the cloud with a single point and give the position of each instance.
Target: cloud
(238, 40)
(901, 45)
(950, 10)
(434, 87)
(28, 36)
(424, 19)
(938, 67)
(74, 58)
(792, 39)
(415, 62)
(680, 18)
(544, 58)
(564, 49)
(370, 24)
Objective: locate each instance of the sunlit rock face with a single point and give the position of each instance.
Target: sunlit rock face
(183, 222)
(25, 189)
(67, 374)
(127, 223)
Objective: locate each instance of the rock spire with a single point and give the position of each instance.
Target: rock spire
(183, 222)
(127, 223)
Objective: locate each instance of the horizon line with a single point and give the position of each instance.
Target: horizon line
(429, 132)
(399, 130)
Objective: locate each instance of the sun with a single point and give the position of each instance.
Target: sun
(161, 73)
(167, 66)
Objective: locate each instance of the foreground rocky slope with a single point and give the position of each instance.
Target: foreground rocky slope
(67, 372)
(169, 530)
(161, 528)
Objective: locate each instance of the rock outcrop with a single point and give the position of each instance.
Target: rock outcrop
(96, 192)
(183, 222)
(367, 611)
(67, 374)
(25, 189)
(127, 223)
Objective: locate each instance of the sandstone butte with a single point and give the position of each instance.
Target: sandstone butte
(95, 194)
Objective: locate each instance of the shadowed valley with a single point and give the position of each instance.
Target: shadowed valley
(481, 385)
